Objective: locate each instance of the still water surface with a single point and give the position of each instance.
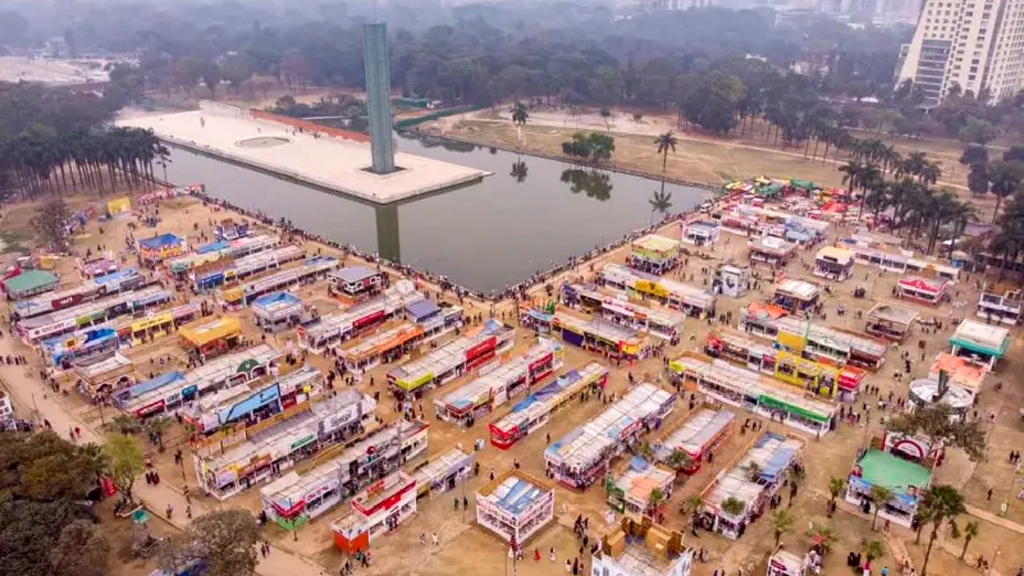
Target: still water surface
(530, 215)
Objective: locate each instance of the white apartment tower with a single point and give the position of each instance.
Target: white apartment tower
(976, 44)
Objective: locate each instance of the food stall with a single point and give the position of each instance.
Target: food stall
(692, 300)
(600, 336)
(796, 295)
(732, 280)
(581, 457)
(515, 505)
(355, 283)
(444, 472)
(227, 271)
(152, 251)
(930, 291)
(376, 510)
(94, 313)
(1001, 303)
(981, 344)
(534, 411)
(890, 322)
(834, 263)
(96, 267)
(642, 490)
(331, 330)
(475, 399)
(617, 308)
(701, 232)
(277, 311)
(772, 456)
(211, 338)
(753, 392)
(702, 433)
(741, 349)
(454, 359)
(654, 254)
(98, 376)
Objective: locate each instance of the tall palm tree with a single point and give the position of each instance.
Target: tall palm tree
(880, 495)
(944, 504)
(970, 532)
(835, 488)
(520, 114)
(782, 522)
(665, 143)
(1007, 179)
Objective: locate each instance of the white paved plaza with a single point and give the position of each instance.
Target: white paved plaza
(326, 161)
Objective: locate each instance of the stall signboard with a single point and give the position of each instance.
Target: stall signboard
(630, 429)
(481, 348)
(336, 421)
(302, 442)
(66, 301)
(157, 320)
(225, 477)
(330, 484)
(651, 287)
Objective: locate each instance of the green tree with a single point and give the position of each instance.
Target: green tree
(824, 536)
(872, 549)
(126, 461)
(665, 143)
(224, 541)
(970, 532)
(158, 427)
(733, 506)
(880, 496)
(51, 223)
(934, 422)
(1006, 179)
(782, 523)
(81, 550)
(943, 503)
(836, 486)
(520, 114)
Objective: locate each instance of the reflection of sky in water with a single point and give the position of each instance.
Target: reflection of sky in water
(531, 214)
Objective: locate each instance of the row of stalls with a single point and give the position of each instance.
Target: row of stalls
(68, 320)
(180, 268)
(818, 376)
(237, 462)
(751, 391)
(582, 457)
(227, 272)
(701, 434)
(596, 334)
(494, 387)
(756, 221)
(118, 282)
(427, 322)
(443, 472)
(305, 273)
(173, 390)
(884, 252)
(687, 298)
(330, 331)
(534, 411)
(616, 307)
(749, 484)
(294, 499)
(654, 254)
(451, 361)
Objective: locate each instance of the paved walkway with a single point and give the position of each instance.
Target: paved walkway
(27, 392)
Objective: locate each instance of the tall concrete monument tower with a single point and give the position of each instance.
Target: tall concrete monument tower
(378, 95)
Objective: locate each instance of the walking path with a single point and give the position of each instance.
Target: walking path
(27, 391)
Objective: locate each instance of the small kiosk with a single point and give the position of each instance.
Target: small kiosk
(29, 283)
(98, 376)
(355, 282)
(701, 434)
(154, 250)
(890, 322)
(834, 263)
(771, 250)
(796, 295)
(701, 232)
(443, 473)
(654, 254)
(377, 510)
(732, 280)
(930, 291)
(643, 490)
(771, 458)
(979, 343)
(211, 338)
(278, 311)
(515, 505)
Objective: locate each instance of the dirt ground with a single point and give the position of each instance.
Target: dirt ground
(468, 550)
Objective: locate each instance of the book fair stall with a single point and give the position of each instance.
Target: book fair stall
(105, 286)
(29, 283)
(664, 323)
(890, 322)
(930, 291)
(887, 255)
(305, 273)
(331, 330)
(376, 510)
(703, 432)
(773, 456)
(796, 295)
(654, 254)
(225, 470)
(277, 311)
(979, 343)
(394, 343)
(180, 268)
(454, 359)
(701, 232)
(834, 263)
(355, 282)
(60, 352)
(536, 409)
(212, 337)
(242, 404)
(632, 492)
(902, 474)
(600, 336)
(98, 376)
(152, 251)
(515, 505)
(210, 275)
(464, 405)
(960, 372)
(771, 250)
(158, 324)
(444, 472)
(173, 389)
(741, 349)
(581, 457)
(1000, 303)
(732, 280)
(692, 300)
(105, 264)
(68, 320)
(753, 392)
(293, 499)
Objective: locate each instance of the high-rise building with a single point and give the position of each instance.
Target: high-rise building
(378, 96)
(977, 45)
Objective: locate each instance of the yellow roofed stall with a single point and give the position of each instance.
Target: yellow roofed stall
(200, 336)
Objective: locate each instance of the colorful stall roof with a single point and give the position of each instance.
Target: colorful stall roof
(982, 338)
